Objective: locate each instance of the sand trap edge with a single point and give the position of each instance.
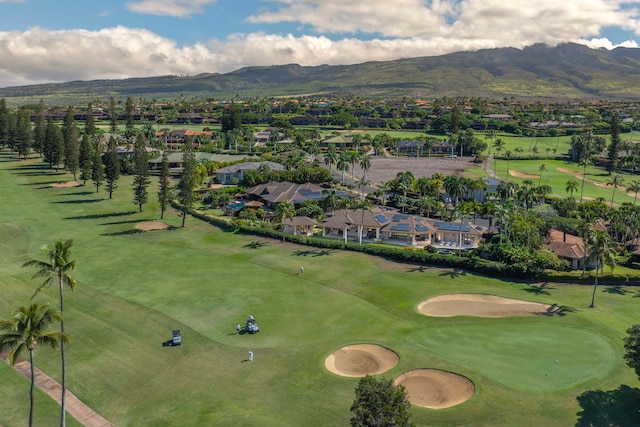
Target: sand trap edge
(382, 358)
(436, 388)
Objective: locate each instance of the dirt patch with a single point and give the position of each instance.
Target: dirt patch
(435, 389)
(360, 360)
(481, 305)
(384, 169)
(525, 175)
(152, 225)
(572, 172)
(65, 184)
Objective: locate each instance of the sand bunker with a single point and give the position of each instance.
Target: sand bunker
(65, 184)
(360, 360)
(435, 389)
(152, 225)
(482, 306)
(572, 172)
(519, 174)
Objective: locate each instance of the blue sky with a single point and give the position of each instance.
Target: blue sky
(63, 40)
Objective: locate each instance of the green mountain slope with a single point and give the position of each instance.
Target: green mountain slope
(565, 71)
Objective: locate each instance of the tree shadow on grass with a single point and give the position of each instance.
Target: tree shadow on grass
(129, 221)
(616, 290)
(123, 233)
(617, 407)
(78, 193)
(558, 310)
(417, 269)
(454, 273)
(98, 216)
(256, 244)
(542, 289)
(78, 202)
(314, 253)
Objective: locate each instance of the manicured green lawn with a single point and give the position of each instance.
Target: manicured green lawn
(135, 287)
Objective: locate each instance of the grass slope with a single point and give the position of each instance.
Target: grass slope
(135, 287)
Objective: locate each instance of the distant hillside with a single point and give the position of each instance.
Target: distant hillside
(563, 72)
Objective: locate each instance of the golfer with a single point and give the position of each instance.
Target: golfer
(301, 271)
(251, 356)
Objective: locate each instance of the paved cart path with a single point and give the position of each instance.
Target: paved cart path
(75, 407)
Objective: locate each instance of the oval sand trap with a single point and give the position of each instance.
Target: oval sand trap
(360, 360)
(519, 174)
(65, 184)
(152, 225)
(435, 389)
(482, 306)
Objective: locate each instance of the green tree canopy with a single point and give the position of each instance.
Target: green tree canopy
(380, 403)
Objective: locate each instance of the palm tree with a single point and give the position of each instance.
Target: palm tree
(343, 163)
(634, 188)
(329, 200)
(58, 265)
(584, 163)
(498, 145)
(285, 210)
(541, 169)
(364, 205)
(365, 164)
(602, 252)
(331, 157)
(616, 181)
(404, 182)
(354, 157)
(571, 186)
(26, 330)
(508, 155)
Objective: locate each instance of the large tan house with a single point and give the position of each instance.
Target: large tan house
(388, 225)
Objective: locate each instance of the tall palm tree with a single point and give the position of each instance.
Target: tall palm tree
(57, 267)
(498, 145)
(615, 181)
(404, 182)
(330, 157)
(508, 154)
(26, 330)
(285, 210)
(571, 186)
(342, 163)
(365, 164)
(541, 169)
(584, 163)
(329, 200)
(634, 188)
(354, 157)
(602, 252)
(364, 205)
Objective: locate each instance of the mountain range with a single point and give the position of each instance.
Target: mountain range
(566, 71)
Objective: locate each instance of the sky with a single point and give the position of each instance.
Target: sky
(44, 41)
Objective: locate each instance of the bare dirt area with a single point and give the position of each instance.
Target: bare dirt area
(525, 175)
(435, 389)
(65, 184)
(386, 168)
(152, 225)
(482, 305)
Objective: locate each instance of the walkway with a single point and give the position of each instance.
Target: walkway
(75, 407)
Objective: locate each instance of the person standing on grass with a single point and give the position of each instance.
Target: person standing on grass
(251, 356)
(238, 328)
(301, 271)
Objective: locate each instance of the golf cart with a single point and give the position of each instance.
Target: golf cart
(177, 338)
(251, 326)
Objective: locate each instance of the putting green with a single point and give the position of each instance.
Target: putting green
(523, 355)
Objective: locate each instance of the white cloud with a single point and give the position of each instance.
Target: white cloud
(176, 8)
(519, 20)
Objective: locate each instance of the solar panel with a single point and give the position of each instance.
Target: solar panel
(400, 227)
(420, 227)
(400, 217)
(381, 218)
(450, 226)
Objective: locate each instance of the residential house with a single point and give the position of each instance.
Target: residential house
(568, 247)
(274, 192)
(390, 226)
(235, 173)
(299, 225)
